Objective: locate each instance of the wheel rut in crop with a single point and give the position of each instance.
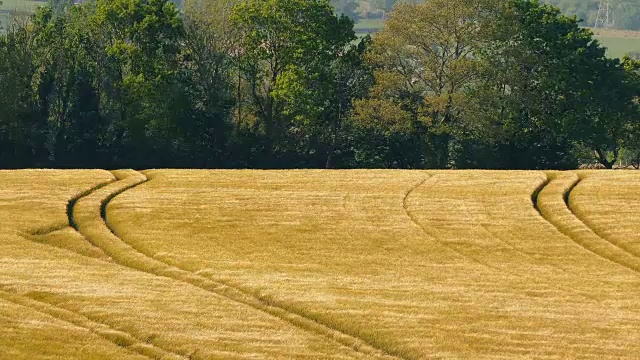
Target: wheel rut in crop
(567, 200)
(123, 339)
(89, 217)
(47, 235)
(551, 200)
(504, 270)
(72, 241)
(425, 230)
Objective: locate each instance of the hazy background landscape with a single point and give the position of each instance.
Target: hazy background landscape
(621, 39)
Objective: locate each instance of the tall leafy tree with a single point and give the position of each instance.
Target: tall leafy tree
(204, 94)
(349, 79)
(68, 86)
(424, 60)
(140, 40)
(550, 89)
(22, 131)
(286, 49)
(632, 140)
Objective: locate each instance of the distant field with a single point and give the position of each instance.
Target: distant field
(617, 47)
(4, 18)
(8, 6)
(368, 25)
(617, 42)
(26, 5)
(361, 264)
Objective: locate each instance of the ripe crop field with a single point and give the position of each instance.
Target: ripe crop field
(311, 264)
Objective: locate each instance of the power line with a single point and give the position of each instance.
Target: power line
(605, 17)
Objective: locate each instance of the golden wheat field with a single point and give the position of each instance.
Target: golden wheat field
(311, 264)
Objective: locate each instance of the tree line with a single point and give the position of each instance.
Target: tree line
(287, 84)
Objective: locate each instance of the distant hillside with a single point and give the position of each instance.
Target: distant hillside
(624, 13)
(618, 42)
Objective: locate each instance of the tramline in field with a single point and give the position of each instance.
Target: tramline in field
(310, 264)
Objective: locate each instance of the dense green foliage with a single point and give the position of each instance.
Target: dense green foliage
(284, 83)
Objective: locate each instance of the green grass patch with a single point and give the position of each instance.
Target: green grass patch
(618, 47)
(4, 21)
(368, 24)
(24, 5)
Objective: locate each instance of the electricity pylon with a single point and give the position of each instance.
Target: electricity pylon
(605, 18)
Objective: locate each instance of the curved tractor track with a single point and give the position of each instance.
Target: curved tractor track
(425, 230)
(88, 215)
(119, 337)
(586, 222)
(123, 339)
(432, 179)
(46, 235)
(552, 202)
